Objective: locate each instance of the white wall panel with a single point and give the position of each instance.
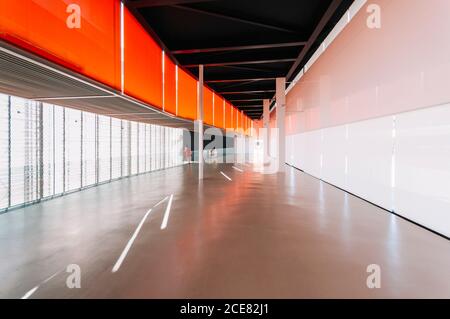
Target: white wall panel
(356, 157)
(299, 152)
(422, 179)
(370, 146)
(334, 150)
(312, 152)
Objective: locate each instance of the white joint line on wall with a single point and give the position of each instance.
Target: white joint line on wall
(393, 161)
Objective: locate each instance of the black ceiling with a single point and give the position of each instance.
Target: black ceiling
(243, 44)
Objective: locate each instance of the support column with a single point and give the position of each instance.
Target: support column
(281, 106)
(200, 122)
(266, 134)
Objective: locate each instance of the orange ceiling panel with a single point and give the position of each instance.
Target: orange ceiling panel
(187, 95)
(170, 86)
(219, 111)
(143, 63)
(208, 105)
(228, 115)
(81, 35)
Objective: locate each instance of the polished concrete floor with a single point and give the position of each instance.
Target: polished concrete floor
(254, 236)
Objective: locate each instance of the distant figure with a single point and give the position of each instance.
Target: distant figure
(187, 154)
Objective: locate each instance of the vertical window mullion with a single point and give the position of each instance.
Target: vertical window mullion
(41, 151)
(110, 149)
(64, 150)
(81, 149)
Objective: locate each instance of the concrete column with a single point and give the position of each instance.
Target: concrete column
(200, 122)
(266, 126)
(281, 106)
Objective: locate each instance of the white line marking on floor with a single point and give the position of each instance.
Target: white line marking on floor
(33, 290)
(225, 176)
(238, 169)
(130, 242)
(29, 293)
(166, 214)
(161, 201)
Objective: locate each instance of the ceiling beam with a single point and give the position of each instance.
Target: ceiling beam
(241, 48)
(312, 39)
(161, 3)
(247, 92)
(237, 19)
(240, 80)
(245, 100)
(240, 63)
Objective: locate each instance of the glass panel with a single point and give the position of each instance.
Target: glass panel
(48, 152)
(4, 149)
(89, 161)
(24, 151)
(72, 149)
(141, 150)
(104, 148)
(59, 149)
(148, 159)
(116, 151)
(125, 148)
(134, 148)
(78, 148)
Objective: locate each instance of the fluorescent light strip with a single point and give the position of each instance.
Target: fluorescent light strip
(238, 169)
(213, 107)
(163, 80)
(176, 89)
(122, 48)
